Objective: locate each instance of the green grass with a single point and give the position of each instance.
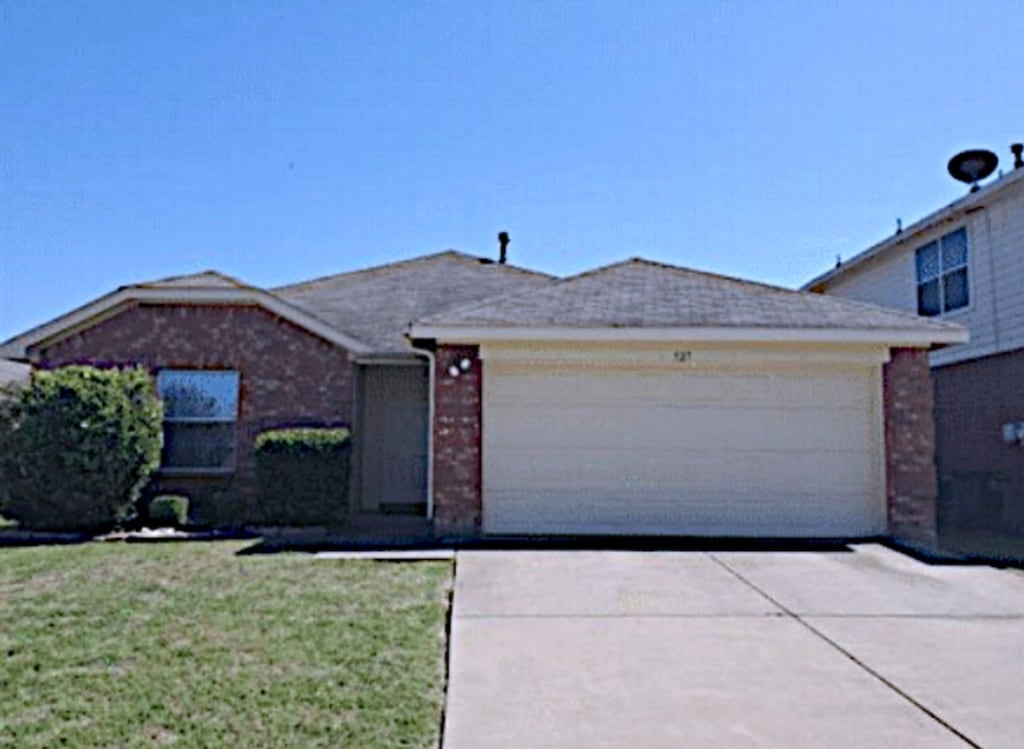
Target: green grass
(188, 645)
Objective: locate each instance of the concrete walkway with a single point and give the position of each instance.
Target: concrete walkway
(733, 649)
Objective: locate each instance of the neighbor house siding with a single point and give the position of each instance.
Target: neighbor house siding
(995, 315)
(888, 281)
(1005, 223)
(288, 376)
(457, 442)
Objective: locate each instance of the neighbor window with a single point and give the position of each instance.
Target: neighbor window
(942, 275)
(200, 410)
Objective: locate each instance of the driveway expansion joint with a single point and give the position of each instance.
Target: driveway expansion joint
(628, 615)
(839, 648)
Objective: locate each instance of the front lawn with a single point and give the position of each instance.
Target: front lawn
(189, 645)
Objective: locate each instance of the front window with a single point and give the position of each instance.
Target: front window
(942, 275)
(200, 410)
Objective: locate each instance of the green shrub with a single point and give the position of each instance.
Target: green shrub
(77, 445)
(303, 476)
(168, 510)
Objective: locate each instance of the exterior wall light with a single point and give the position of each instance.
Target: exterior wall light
(456, 368)
(459, 366)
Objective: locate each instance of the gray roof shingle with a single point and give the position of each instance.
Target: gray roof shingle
(378, 304)
(639, 293)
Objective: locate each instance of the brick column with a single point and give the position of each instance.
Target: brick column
(910, 476)
(457, 434)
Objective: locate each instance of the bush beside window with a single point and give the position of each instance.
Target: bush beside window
(303, 476)
(168, 511)
(77, 445)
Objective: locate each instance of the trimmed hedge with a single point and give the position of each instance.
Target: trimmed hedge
(303, 476)
(77, 445)
(168, 511)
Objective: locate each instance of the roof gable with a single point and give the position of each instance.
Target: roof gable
(642, 295)
(207, 279)
(208, 287)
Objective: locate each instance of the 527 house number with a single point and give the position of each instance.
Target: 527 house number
(681, 356)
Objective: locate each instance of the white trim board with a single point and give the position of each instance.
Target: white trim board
(893, 337)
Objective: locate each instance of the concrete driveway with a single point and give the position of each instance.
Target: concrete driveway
(733, 649)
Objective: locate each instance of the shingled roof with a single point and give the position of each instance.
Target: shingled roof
(207, 279)
(642, 294)
(378, 304)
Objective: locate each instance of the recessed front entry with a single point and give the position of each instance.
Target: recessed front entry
(391, 433)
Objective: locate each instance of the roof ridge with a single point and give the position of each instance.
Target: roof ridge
(169, 280)
(814, 304)
(454, 254)
(555, 281)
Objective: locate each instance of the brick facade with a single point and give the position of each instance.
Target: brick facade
(458, 504)
(911, 484)
(288, 377)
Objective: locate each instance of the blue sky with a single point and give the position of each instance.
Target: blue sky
(278, 141)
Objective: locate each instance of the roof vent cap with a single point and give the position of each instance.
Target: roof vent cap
(503, 241)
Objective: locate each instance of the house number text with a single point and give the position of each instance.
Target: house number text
(682, 356)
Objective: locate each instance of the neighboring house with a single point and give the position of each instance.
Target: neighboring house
(638, 398)
(963, 263)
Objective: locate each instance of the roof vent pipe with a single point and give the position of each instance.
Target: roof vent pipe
(503, 242)
(1016, 149)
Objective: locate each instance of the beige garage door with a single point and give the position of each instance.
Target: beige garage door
(577, 450)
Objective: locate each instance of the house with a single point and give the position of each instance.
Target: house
(963, 263)
(637, 398)
(235, 360)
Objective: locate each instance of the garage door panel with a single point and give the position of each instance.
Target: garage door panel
(681, 426)
(665, 452)
(706, 470)
(590, 387)
(607, 512)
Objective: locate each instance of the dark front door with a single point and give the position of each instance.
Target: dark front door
(392, 435)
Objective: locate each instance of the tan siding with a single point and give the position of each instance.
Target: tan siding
(887, 282)
(995, 316)
(1006, 222)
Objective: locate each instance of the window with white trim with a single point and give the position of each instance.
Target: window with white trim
(200, 413)
(942, 275)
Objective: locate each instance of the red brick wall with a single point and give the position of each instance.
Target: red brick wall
(911, 486)
(288, 376)
(457, 434)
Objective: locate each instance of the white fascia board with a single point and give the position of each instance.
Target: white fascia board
(105, 306)
(889, 337)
